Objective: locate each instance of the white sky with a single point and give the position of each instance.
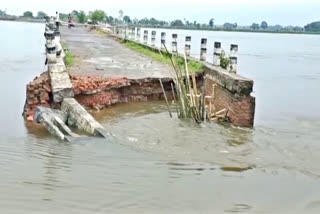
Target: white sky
(244, 12)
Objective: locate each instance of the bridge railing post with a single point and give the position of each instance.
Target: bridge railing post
(203, 49)
(145, 37)
(187, 47)
(163, 40)
(174, 44)
(233, 58)
(138, 34)
(153, 38)
(133, 33)
(217, 53)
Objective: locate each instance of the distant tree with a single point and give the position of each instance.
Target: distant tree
(28, 14)
(163, 23)
(235, 25)
(144, 21)
(313, 27)
(298, 28)
(153, 21)
(82, 17)
(229, 26)
(177, 23)
(2, 13)
(211, 22)
(127, 19)
(110, 19)
(97, 15)
(264, 25)
(63, 16)
(198, 25)
(41, 15)
(255, 26)
(120, 15)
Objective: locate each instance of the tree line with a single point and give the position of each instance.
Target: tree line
(101, 16)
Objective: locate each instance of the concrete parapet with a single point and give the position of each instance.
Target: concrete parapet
(203, 49)
(59, 77)
(54, 121)
(61, 86)
(230, 92)
(236, 84)
(174, 43)
(187, 47)
(81, 119)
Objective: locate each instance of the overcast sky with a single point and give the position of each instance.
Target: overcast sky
(244, 12)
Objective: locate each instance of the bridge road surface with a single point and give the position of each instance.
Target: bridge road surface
(96, 54)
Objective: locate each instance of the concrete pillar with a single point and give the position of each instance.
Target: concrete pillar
(174, 44)
(233, 58)
(133, 33)
(145, 37)
(187, 46)
(203, 49)
(138, 34)
(217, 53)
(153, 38)
(163, 40)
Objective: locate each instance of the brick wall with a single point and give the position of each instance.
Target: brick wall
(241, 108)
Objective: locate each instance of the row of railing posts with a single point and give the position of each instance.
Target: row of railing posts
(135, 34)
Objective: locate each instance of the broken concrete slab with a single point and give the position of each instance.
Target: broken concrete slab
(80, 118)
(54, 112)
(61, 86)
(55, 122)
(45, 120)
(58, 66)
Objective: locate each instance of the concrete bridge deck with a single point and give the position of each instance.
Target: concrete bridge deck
(96, 54)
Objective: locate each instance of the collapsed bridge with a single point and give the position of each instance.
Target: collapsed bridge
(105, 73)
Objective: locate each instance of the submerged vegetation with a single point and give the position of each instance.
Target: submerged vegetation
(193, 65)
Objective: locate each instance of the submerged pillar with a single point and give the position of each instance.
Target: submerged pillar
(145, 37)
(163, 40)
(174, 44)
(203, 49)
(217, 53)
(187, 47)
(233, 58)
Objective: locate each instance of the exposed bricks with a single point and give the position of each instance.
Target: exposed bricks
(94, 84)
(241, 109)
(38, 93)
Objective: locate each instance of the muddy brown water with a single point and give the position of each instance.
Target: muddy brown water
(162, 165)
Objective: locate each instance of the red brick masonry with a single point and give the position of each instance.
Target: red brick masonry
(95, 91)
(229, 92)
(241, 108)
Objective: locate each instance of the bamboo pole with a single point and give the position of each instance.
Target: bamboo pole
(165, 97)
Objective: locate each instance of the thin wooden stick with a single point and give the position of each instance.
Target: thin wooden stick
(174, 98)
(165, 97)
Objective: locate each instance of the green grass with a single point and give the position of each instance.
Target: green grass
(69, 57)
(100, 31)
(194, 66)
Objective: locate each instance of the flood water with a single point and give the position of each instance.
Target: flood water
(162, 165)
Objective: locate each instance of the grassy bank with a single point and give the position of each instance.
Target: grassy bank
(69, 57)
(194, 66)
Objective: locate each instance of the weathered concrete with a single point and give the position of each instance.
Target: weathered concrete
(54, 121)
(99, 55)
(81, 119)
(236, 84)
